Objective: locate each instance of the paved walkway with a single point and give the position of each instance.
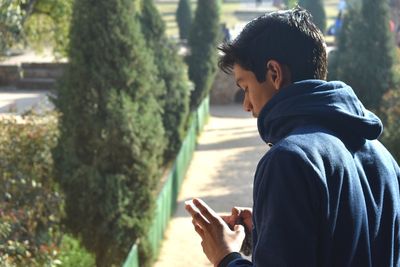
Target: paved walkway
(19, 101)
(221, 173)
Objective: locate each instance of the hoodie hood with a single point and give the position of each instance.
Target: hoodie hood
(332, 105)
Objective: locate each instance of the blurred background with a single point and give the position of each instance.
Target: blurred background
(113, 113)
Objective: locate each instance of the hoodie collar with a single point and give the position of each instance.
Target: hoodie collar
(333, 105)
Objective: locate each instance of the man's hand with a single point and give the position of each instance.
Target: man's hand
(240, 215)
(218, 239)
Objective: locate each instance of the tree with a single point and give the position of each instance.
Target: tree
(38, 22)
(366, 51)
(316, 8)
(10, 24)
(184, 18)
(204, 37)
(173, 77)
(47, 24)
(111, 135)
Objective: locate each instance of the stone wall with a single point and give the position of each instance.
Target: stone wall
(9, 75)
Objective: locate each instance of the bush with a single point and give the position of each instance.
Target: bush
(204, 38)
(48, 24)
(173, 79)
(38, 22)
(365, 55)
(316, 8)
(111, 134)
(184, 18)
(72, 254)
(391, 111)
(30, 206)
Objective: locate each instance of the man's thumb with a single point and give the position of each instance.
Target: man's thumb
(238, 228)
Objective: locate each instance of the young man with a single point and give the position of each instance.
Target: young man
(327, 192)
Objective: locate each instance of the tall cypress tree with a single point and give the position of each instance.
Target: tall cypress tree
(184, 18)
(365, 51)
(173, 76)
(316, 8)
(204, 37)
(110, 148)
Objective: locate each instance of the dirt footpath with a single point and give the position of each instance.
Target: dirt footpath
(221, 173)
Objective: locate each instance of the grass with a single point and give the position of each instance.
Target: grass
(231, 16)
(168, 9)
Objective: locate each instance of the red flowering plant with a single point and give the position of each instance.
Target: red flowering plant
(30, 205)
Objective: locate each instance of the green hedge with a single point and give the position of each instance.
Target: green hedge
(166, 200)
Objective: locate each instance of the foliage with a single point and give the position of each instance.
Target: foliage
(48, 25)
(366, 52)
(72, 254)
(173, 79)
(290, 3)
(11, 23)
(30, 207)
(184, 18)
(111, 134)
(38, 22)
(316, 8)
(204, 38)
(391, 110)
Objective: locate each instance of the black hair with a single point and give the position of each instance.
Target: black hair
(289, 37)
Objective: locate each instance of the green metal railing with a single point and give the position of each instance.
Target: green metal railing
(166, 200)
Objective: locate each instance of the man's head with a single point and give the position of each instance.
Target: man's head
(277, 49)
(289, 37)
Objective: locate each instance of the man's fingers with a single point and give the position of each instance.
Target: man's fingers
(205, 210)
(196, 215)
(200, 231)
(235, 211)
(246, 213)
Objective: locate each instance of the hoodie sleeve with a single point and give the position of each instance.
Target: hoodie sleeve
(286, 204)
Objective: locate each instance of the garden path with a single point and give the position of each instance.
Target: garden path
(221, 173)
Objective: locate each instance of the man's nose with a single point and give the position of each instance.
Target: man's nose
(246, 104)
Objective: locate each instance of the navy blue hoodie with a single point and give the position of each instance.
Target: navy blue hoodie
(327, 192)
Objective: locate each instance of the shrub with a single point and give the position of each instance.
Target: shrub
(111, 134)
(173, 79)
(184, 18)
(391, 111)
(204, 37)
(72, 254)
(30, 206)
(366, 52)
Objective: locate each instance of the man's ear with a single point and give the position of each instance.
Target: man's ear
(278, 74)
